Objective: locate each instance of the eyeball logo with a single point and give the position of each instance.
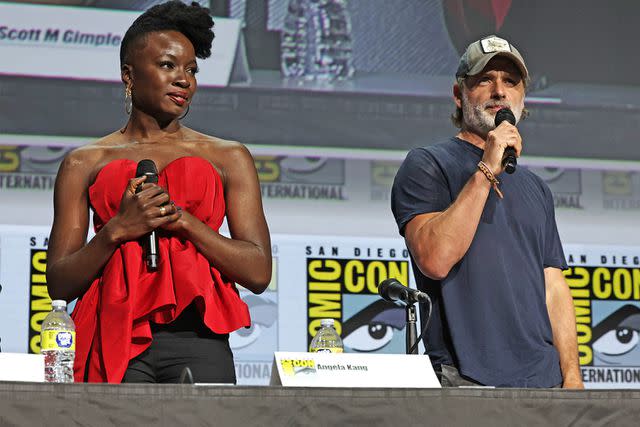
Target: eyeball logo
(64, 339)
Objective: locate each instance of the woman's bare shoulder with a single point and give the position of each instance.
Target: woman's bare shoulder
(86, 157)
(209, 141)
(229, 157)
(215, 148)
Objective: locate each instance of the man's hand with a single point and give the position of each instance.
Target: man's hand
(573, 383)
(505, 135)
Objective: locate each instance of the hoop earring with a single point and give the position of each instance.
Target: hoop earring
(185, 113)
(128, 100)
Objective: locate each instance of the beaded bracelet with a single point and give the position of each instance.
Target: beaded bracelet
(491, 177)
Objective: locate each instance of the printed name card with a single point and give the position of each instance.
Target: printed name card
(352, 370)
(84, 43)
(21, 367)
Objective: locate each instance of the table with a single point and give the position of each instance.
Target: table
(28, 404)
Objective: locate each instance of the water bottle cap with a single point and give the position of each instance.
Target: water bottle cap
(326, 322)
(58, 303)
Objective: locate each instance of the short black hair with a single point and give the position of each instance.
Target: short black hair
(192, 20)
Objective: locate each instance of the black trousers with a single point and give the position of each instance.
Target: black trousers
(186, 342)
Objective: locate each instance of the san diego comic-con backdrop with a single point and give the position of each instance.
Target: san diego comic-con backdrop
(313, 278)
(316, 276)
(326, 155)
(336, 277)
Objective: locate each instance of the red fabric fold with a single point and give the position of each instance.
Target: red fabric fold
(112, 317)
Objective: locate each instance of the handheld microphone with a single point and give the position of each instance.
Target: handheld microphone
(148, 168)
(392, 290)
(509, 161)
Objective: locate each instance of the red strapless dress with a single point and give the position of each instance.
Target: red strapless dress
(112, 317)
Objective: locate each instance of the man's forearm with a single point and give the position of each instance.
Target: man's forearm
(563, 324)
(441, 240)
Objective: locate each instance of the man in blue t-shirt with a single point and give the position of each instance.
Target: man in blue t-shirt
(484, 243)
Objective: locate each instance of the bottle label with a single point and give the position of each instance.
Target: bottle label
(328, 350)
(58, 340)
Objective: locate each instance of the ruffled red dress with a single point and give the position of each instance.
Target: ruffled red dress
(112, 317)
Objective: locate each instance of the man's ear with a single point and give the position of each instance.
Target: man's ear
(457, 95)
(125, 75)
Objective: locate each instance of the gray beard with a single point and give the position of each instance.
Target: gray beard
(476, 119)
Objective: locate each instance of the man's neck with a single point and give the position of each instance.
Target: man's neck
(472, 138)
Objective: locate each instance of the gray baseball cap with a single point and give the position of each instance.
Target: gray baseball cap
(480, 52)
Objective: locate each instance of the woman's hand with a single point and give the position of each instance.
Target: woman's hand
(178, 226)
(142, 211)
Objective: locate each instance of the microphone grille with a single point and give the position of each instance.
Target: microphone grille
(383, 289)
(505, 114)
(147, 167)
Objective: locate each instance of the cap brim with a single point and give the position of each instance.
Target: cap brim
(479, 66)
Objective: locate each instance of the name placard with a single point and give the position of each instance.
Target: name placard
(292, 369)
(84, 43)
(21, 367)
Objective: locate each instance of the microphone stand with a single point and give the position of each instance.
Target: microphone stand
(411, 331)
(394, 291)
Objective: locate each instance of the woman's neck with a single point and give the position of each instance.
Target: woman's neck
(142, 128)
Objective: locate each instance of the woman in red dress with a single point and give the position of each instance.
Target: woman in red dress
(136, 324)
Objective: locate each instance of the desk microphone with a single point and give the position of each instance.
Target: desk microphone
(392, 290)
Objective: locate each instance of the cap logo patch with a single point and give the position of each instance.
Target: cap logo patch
(495, 44)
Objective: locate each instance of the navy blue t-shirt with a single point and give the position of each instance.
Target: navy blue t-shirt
(489, 314)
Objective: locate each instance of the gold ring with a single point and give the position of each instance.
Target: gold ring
(163, 211)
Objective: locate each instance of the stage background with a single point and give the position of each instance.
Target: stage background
(327, 155)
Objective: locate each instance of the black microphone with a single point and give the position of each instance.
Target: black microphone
(509, 161)
(148, 168)
(392, 290)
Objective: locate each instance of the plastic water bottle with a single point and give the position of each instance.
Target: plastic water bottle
(327, 339)
(316, 40)
(58, 344)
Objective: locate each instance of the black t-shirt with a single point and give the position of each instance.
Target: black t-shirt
(490, 316)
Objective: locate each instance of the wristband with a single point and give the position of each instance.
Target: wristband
(491, 177)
